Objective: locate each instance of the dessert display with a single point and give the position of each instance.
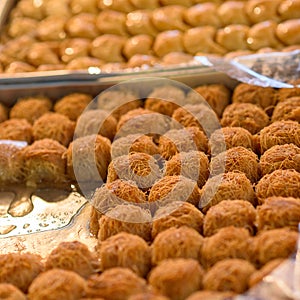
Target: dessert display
(73, 35)
(184, 184)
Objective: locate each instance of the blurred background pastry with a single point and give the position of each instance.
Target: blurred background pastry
(119, 5)
(79, 6)
(138, 44)
(73, 48)
(52, 28)
(22, 26)
(288, 32)
(289, 9)
(233, 12)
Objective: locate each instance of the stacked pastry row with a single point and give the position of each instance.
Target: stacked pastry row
(116, 35)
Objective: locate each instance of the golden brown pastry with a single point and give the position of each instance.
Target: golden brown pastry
(22, 26)
(271, 244)
(284, 183)
(264, 34)
(145, 4)
(289, 9)
(73, 256)
(11, 162)
(73, 105)
(177, 278)
(30, 9)
(228, 242)
(176, 214)
(127, 251)
(278, 212)
(108, 47)
(177, 58)
(246, 115)
(9, 291)
(84, 63)
(211, 295)
(16, 129)
(288, 32)
(238, 213)
(182, 242)
(228, 186)
(54, 8)
(149, 295)
(57, 284)
(142, 61)
(262, 10)
(51, 29)
(202, 15)
(119, 5)
(280, 157)
(233, 37)
(54, 126)
(138, 44)
(115, 283)
(186, 3)
(19, 67)
(80, 6)
(140, 22)
(112, 22)
(88, 158)
(168, 41)
(169, 18)
(20, 269)
(50, 67)
(285, 93)
(229, 275)
(43, 162)
(82, 26)
(201, 39)
(233, 12)
(287, 110)
(72, 48)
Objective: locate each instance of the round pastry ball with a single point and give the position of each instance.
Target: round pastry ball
(10, 292)
(96, 121)
(192, 164)
(176, 214)
(211, 295)
(3, 112)
(217, 96)
(125, 250)
(72, 105)
(264, 97)
(54, 126)
(116, 192)
(284, 183)
(133, 143)
(174, 188)
(279, 133)
(141, 168)
(228, 242)
(287, 32)
(43, 161)
(142, 61)
(88, 158)
(229, 137)
(181, 242)
(129, 218)
(246, 115)
(271, 244)
(20, 269)
(115, 284)
(182, 140)
(268, 268)
(73, 256)
(280, 157)
(236, 159)
(227, 186)
(285, 93)
(177, 278)
(16, 129)
(277, 212)
(57, 284)
(238, 213)
(30, 108)
(229, 275)
(288, 109)
(11, 162)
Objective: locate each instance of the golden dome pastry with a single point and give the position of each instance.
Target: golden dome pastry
(264, 35)
(289, 32)
(118, 5)
(22, 26)
(40, 53)
(262, 10)
(233, 37)
(169, 18)
(52, 28)
(108, 47)
(79, 6)
(176, 58)
(202, 14)
(82, 25)
(54, 8)
(19, 67)
(113, 22)
(168, 41)
(145, 4)
(289, 9)
(140, 22)
(233, 12)
(30, 9)
(186, 3)
(84, 62)
(201, 39)
(72, 48)
(138, 44)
